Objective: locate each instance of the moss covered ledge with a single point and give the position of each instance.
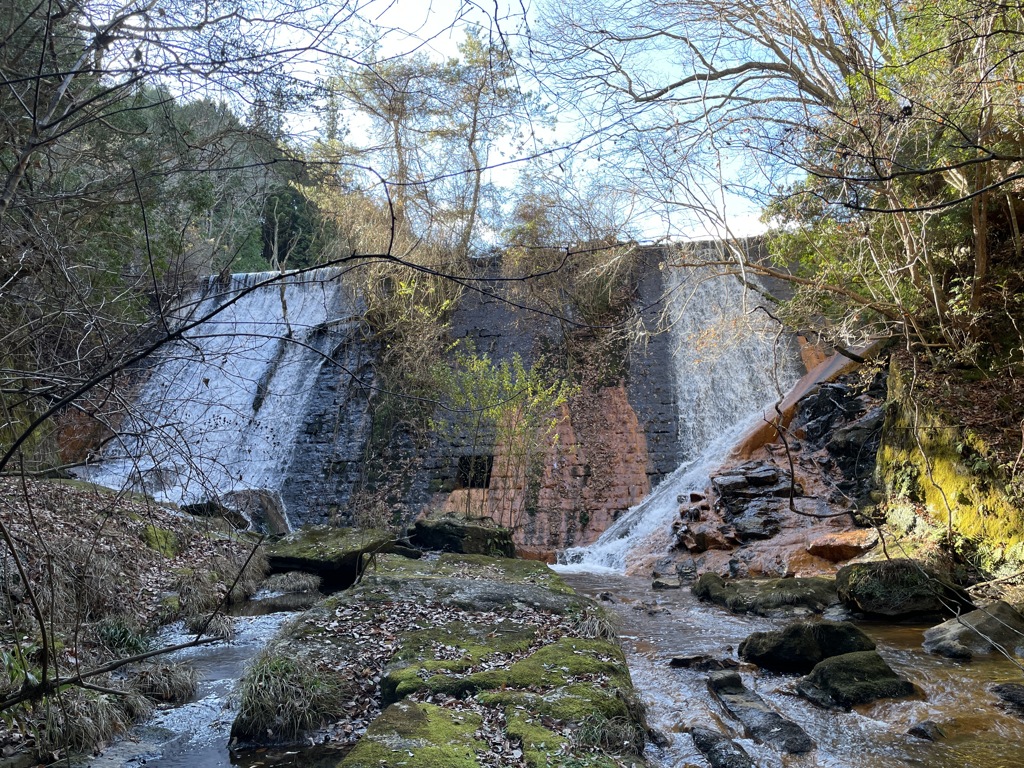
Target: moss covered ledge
(453, 673)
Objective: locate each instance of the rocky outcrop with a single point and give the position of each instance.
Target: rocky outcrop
(800, 646)
(846, 545)
(939, 476)
(336, 555)
(843, 682)
(759, 721)
(898, 589)
(767, 597)
(997, 626)
(451, 534)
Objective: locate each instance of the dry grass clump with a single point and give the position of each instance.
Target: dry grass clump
(595, 624)
(292, 582)
(76, 720)
(217, 625)
(203, 590)
(167, 683)
(282, 698)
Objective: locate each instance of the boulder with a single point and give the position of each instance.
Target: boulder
(1011, 696)
(842, 682)
(767, 597)
(263, 508)
(451, 534)
(836, 547)
(336, 555)
(703, 536)
(978, 633)
(800, 646)
(898, 589)
(760, 722)
(213, 508)
(720, 751)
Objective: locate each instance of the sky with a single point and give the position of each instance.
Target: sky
(435, 28)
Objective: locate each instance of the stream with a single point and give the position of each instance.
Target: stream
(197, 734)
(656, 626)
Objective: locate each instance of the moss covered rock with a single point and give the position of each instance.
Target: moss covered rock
(334, 554)
(452, 534)
(767, 597)
(513, 660)
(161, 540)
(800, 646)
(845, 681)
(946, 473)
(420, 736)
(899, 589)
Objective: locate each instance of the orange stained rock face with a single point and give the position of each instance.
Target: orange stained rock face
(593, 469)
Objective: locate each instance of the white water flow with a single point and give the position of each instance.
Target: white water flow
(730, 364)
(221, 409)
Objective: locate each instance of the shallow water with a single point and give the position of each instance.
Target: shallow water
(658, 625)
(197, 734)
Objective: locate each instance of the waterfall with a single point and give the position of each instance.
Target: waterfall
(222, 406)
(730, 363)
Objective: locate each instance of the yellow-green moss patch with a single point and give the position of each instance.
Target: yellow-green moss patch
(161, 540)
(408, 735)
(927, 459)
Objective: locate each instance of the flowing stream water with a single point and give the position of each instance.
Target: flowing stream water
(659, 625)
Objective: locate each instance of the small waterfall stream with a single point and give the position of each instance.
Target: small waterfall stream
(727, 372)
(222, 406)
(731, 363)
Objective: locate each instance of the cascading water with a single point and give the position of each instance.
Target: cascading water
(730, 363)
(222, 407)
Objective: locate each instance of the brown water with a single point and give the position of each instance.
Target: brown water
(658, 625)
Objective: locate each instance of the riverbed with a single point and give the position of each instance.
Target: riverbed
(657, 625)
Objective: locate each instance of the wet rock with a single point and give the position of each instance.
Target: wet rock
(842, 682)
(449, 534)
(663, 583)
(702, 663)
(756, 526)
(702, 537)
(264, 509)
(719, 750)
(900, 589)
(978, 632)
(334, 554)
(1011, 695)
(767, 597)
(800, 646)
(836, 547)
(928, 730)
(213, 508)
(851, 438)
(728, 484)
(759, 721)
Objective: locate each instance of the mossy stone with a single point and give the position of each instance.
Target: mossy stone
(161, 540)
(899, 589)
(419, 736)
(842, 682)
(767, 597)
(927, 459)
(336, 555)
(801, 645)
